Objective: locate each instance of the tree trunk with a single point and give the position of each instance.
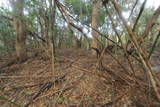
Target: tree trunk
(94, 24)
(78, 42)
(46, 33)
(52, 25)
(20, 29)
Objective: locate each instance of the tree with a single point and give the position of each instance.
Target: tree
(7, 37)
(94, 23)
(20, 29)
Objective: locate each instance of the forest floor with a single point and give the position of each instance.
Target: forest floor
(75, 82)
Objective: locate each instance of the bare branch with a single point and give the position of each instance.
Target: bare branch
(139, 15)
(154, 80)
(150, 24)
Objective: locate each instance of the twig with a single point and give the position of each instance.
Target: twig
(116, 32)
(61, 91)
(67, 88)
(100, 74)
(133, 8)
(52, 93)
(151, 22)
(154, 45)
(139, 15)
(86, 25)
(115, 100)
(153, 77)
(46, 86)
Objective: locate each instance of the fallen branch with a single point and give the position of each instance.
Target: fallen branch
(57, 91)
(100, 74)
(45, 87)
(152, 75)
(65, 89)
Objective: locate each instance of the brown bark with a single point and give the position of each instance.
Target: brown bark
(119, 38)
(46, 33)
(78, 41)
(152, 75)
(150, 24)
(71, 25)
(20, 29)
(52, 24)
(94, 24)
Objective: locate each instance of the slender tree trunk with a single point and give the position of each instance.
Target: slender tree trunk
(46, 32)
(20, 40)
(94, 24)
(52, 34)
(20, 29)
(153, 77)
(79, 45)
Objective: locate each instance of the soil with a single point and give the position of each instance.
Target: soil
(75, 82)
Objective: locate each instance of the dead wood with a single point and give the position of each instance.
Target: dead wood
(115, 99)
(64, 89)
(45, 87)
(124, 50)
(153, 78)
(151, 22)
